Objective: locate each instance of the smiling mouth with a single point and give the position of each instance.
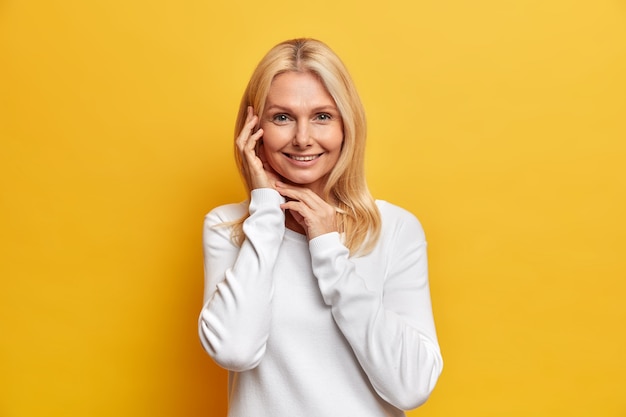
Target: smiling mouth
(303, 158)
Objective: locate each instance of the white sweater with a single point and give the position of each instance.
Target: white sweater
(307, 330)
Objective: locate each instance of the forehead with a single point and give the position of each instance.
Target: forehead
(298, 87)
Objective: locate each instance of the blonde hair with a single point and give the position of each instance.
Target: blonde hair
(346, 187)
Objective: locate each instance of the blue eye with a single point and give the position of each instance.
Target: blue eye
(281, 118)
(324, 116)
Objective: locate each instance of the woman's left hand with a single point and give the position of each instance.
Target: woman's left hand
(315, 215)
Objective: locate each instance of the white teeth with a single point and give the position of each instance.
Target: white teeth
(303, 158)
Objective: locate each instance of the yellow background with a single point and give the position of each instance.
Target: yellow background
(500, 124)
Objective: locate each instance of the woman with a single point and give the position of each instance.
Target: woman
(316, 296)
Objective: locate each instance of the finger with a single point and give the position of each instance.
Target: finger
(315, 222)
(252, 140)
(299, 208)
(312, 214)
(244, 135)
(305, 195)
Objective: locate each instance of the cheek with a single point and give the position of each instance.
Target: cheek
(335, 140)
(270, 150)
(273, 139)
(271, 153)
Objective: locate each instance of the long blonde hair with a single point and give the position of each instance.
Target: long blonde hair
(346, 187)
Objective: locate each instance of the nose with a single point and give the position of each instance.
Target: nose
(302, 137)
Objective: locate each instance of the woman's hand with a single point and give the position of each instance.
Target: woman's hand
(315, 215)
(256, 170)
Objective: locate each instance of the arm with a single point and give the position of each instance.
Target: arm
(391, 333)
(234, 322)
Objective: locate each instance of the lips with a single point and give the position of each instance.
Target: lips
(303, 158)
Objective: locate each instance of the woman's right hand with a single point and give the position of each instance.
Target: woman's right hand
(257, 171)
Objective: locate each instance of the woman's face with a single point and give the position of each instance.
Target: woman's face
(302, 130)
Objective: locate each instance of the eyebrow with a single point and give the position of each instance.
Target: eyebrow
(326, 107)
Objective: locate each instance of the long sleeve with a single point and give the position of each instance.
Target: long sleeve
(390, 328)
(235, 319)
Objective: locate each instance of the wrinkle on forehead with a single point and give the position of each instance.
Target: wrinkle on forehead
(298, 90)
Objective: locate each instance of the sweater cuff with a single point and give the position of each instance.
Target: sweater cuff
(328, 244)
(263, 196)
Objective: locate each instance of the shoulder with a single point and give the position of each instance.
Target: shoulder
(226, 213)
(399, 221)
